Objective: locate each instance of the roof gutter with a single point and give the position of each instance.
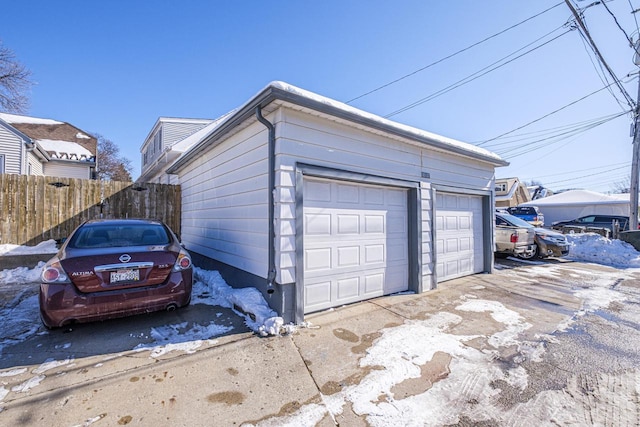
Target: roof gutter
(271, 273)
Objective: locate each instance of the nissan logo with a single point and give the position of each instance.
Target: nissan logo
(125, 258)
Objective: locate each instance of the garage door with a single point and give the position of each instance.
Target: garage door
(355, 242)
(459, 236)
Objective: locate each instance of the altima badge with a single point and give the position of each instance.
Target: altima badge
(125, 258)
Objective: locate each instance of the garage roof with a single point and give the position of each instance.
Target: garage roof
(281, 91)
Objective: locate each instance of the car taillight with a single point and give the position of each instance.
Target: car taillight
(53, 272)
(183, 262)
(514, 238)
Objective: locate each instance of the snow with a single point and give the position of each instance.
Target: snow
(14, 118)
(385, 122)
(402, 350)
(46, 247)
(64, 147)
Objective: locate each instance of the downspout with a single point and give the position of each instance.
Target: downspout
(271, 274)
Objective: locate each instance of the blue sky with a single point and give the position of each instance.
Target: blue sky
(115, 67)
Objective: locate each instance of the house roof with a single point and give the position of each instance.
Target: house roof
(59, 139)
(576, 197)
(281, 91)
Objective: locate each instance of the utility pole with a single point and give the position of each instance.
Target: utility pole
(635, 160)
(635, 157)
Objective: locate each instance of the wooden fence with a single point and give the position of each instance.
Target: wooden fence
(36, 208)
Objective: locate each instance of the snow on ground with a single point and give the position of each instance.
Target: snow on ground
(46, 247)
(402, 350)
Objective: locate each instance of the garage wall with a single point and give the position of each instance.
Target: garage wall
(225, 201)
(67, 170)
(317, 141)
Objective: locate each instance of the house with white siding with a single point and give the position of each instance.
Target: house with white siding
(319, 204)
(45, 147)
(167, 140)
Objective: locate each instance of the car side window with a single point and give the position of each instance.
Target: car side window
(591, 218)
(500, 221)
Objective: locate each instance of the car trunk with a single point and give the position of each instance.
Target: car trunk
(145, 268)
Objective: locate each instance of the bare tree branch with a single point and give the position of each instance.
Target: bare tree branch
(112, 166)
(15, 82)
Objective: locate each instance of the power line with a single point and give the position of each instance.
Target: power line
(615, 19)
(545, 116)
(452, 55)
(479, 73)
(585, 31)
(555, 132)
(587, 176)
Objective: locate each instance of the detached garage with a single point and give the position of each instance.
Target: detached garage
(319, 204)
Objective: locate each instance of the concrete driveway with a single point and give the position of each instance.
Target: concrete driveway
(533, 344)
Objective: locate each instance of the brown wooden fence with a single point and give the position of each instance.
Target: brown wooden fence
(36, 208)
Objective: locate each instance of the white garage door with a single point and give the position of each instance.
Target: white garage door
(355, 242)
(459, 236)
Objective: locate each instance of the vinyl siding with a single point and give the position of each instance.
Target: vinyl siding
(317, 141)
(225, 209)
(176, 132)
(37, 168)
(13, 149)
(67, 170)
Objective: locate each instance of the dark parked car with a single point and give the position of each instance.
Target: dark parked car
(115, 268)
(594, 221)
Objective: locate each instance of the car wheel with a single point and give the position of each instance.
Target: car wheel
(529, 255)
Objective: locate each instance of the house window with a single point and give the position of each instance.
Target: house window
(1, 163)
(501, 187)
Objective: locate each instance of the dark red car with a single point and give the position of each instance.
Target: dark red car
(114, 268)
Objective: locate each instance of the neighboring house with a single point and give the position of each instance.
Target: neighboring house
(34, 146)
(511, 192)
(319, 204)
(576, 203)
(168, 139)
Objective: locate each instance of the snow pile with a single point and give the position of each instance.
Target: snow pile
(591, 247)
(21, 275)
(47, 247)
(247, 302)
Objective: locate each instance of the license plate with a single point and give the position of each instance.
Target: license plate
(128, 275)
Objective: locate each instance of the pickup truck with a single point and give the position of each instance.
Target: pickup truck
(514, 236)
(531, 214)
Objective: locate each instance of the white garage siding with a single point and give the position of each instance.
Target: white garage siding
(224, 208)
(317, 141)
(459, 235)
(67, 170)
(355, 242)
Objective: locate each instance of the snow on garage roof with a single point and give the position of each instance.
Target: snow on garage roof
(282, 91)
(66, 150)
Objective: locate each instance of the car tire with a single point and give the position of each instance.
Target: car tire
(530, 255)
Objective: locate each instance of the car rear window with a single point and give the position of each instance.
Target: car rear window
(523, 210)
(105, 236)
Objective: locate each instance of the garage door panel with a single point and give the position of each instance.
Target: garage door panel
(317, 294)
(318, 191)
(365, 252)
(317, 259)
(317, 224)
(348, 256)
(459, 235)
